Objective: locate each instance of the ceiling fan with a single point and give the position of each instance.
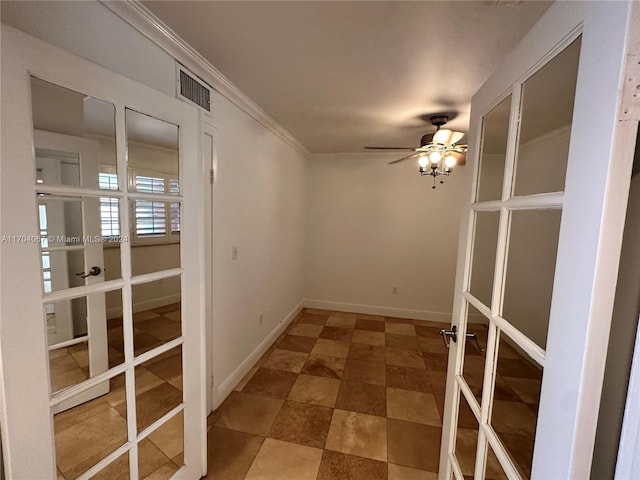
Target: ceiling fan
(438, 152)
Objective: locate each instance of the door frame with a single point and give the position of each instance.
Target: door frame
(25, 405)
(590, 233)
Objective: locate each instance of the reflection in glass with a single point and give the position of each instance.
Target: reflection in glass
(484, 256)
(119, 468)
(169, 439)
(530, 270)
(494, 470)
(82, 342)
(165, 372)
(495, 128)
(474, 359)
(74, 135)
(515, 411)
(545, 124)
(152, 153)
(159, 325)
(82, 440)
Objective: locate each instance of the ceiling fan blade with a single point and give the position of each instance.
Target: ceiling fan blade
(404, 158)
(390, 148)
(447, 137)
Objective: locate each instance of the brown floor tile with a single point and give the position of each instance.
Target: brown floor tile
(150, 459)
(315, 390)
(370, 325)
(436, 361)
(428, 332)
(515, 367)
(513, 417)
(338, 466)
(365, 372)
(438, 382)
(297, 343)
(400, 328)
(398, 320)
(404, 358)
(279, 460)
(368, 337)
(153, 404)
(313, 319)
(302, 423)
(165, 472)
(528, 390)
(230, 453)
(331, 348)
(247, 378)
(418, 407)
(363, 398)
(414, 445)
(358, 434)
(285, 360)
(272, 383)
(367, 316)
(342, 334)
(324, 366)
(315, 311)
(341, 321)
(402, 341)
(407, 378)
(368, 353)
(432, 345)
(398, 472)
(248, 413)
(167, 367)
(520, 448)
(306, 330)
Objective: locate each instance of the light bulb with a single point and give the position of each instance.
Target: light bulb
(449, 161)
(423, 160)
(435, 156)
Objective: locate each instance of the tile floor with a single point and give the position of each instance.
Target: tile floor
(87, 433)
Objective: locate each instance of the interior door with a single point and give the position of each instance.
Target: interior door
(128, 204)
(538, 241)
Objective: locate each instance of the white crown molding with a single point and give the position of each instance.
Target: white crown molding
(140, 18)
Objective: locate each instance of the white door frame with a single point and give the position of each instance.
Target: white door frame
(25, 403)
(594, 205)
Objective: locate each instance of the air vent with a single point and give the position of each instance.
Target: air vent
(193, 90)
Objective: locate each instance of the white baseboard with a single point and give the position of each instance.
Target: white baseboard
(378, 310)
(145, 305)
(229, 383)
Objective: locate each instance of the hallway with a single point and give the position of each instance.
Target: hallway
(344, 396)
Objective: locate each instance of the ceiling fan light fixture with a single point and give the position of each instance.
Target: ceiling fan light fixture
(435, 156)
(450, 161)
(423, 161)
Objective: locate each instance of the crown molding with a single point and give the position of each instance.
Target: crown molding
(140, 18)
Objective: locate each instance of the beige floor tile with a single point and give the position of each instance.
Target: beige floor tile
(345, 322)
(404, 358)
(249, 413)
(176, 382)
(418, 407)
(315, 390)
(414, 445)
(165, 472)
(331, 348)
(306, 330)
(400, 328)
(398, 472)
(278, 460)
(231, 453)
(286, 360)
(169, 437)
(358, 434)
(369, 338)
(145, 380)
(324, 366)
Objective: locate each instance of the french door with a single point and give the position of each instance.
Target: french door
(102, 346)
(552, 154)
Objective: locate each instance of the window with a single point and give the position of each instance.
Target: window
(109, 207)
(155, 221)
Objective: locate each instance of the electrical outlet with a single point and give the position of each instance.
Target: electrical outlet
(234, 253)
(394, 290)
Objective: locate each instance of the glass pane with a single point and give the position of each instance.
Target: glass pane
(119, 468)
(160, 324)
(165, 394)
(545, 124)
(495, 129)
(484, 256)
(515, 410)
(74, 135)
(531, 262)
(74, 319)
(168, 439)
(466, 438)
(473, 367)
(88, 430)
(494, 470)
(156, 230)
(152, 149)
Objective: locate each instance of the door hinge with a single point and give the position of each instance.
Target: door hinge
(212, 176)
(631, 89)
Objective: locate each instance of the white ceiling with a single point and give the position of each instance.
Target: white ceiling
(342, 75)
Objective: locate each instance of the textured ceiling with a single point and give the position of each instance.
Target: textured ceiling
(342, 75)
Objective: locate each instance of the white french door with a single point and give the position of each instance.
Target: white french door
(125, 386)
(551, 146)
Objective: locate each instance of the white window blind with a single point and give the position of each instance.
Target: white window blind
(109, 207)
(155, 221)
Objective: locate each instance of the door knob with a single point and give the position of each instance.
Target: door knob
(451, 334)
(92, 273)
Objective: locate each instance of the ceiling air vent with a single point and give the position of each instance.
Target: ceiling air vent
(192, 89)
